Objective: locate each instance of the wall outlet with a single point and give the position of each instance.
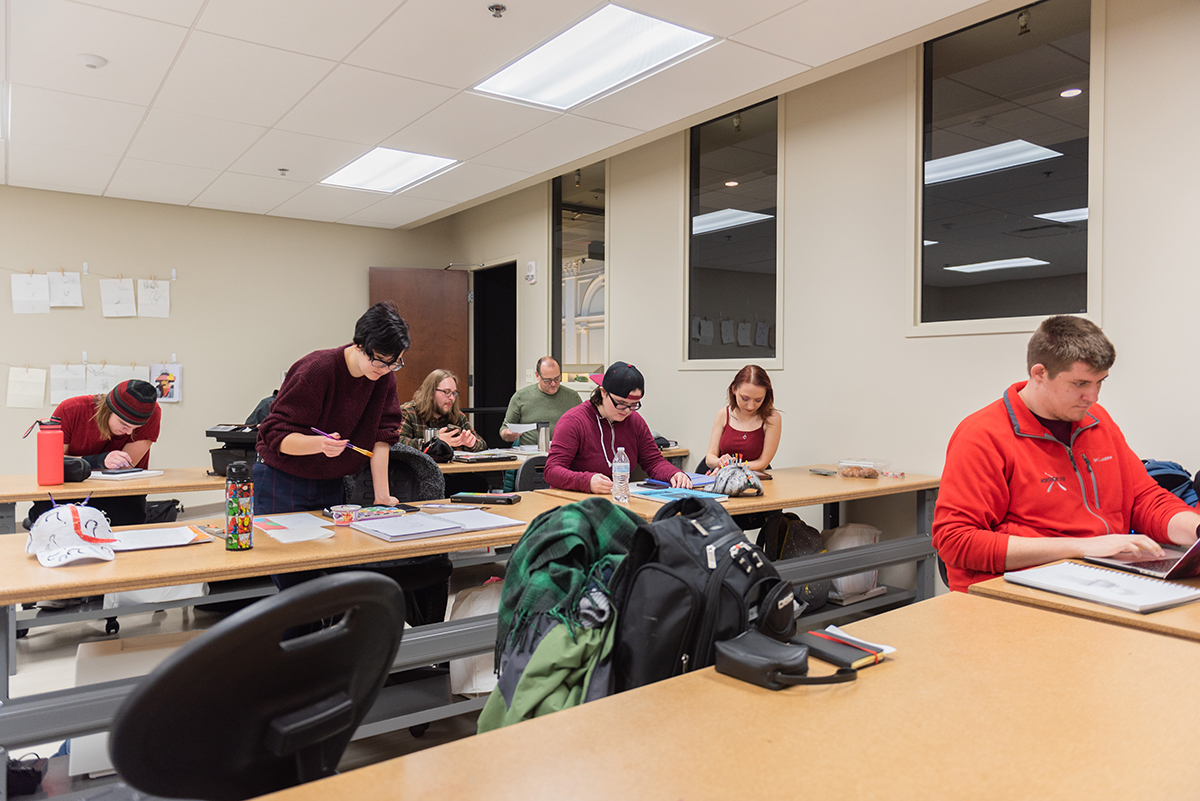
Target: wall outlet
(530, 376)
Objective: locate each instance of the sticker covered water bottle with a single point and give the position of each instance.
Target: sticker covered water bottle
(239, 508)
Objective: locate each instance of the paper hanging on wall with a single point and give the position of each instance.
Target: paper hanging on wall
(760, 334)
(116, 297)
(30, 294)
(169, 380)
(706, 332)
(695, 328)
(100, 378)
(26, 388)
(66, 289)
(728, 332)
(67, 381)
(154, 298)
(744, 335)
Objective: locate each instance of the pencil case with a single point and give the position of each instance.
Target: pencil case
(755, 658)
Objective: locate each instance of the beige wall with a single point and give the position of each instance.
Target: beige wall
(253, 294)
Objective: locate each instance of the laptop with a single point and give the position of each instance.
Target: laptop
(483, 456)
(1176, 564)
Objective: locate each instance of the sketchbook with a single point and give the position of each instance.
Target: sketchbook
(674, 494)
(146, 538)
(409, 527)
(1109, 587)
(125, 476)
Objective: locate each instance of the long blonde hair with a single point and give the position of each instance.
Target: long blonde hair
(103, 414)
(423, 398)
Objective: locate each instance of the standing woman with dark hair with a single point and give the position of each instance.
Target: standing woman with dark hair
(337, 391)
(748, 428)
(109, 432)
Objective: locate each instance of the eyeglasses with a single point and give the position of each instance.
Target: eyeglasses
(551, 381)
(379, 364)
(621, 406)
(449, 393)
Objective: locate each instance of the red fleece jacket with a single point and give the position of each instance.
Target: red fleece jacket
(1006, 475)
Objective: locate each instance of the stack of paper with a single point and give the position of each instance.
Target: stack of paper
(408, 527)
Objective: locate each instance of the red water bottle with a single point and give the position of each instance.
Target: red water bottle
(49, 452)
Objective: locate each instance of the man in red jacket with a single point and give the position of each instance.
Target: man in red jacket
(1045, 474)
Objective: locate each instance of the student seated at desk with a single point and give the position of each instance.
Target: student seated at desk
(1045, 474)
(435, 405)
(109, 432)
(749, 426)
(587, 437)
(543, 402)
(337, 391)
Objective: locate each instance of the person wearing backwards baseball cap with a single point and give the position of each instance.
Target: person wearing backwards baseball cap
(110, 431)
(587, 437)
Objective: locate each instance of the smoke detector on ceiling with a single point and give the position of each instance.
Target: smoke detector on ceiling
(92, 61)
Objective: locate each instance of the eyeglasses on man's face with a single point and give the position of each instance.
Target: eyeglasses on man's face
(380, 364)
(449, 393)
(622, 406)
(551, 381)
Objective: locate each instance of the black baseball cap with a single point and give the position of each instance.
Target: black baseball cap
(623, 379)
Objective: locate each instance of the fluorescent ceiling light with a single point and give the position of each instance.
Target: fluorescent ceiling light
(1070, 93)
(386, 170)
(725, 218)
(931, 241)
(999, 264)
(608, 48)
(1069, 215)
(986, 159)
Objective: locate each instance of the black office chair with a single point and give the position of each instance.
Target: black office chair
(240, 711)
(531, 475)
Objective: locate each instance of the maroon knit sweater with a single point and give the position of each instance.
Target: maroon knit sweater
(319, 392)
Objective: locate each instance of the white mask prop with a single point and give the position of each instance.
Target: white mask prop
(70, 532)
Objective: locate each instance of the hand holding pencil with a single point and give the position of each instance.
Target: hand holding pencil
(342, 443)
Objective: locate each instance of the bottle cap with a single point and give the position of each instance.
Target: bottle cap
(237, 470)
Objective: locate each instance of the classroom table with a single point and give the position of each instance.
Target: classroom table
(981, 700)
(1179, 621)
(675, 456)
(26, 488)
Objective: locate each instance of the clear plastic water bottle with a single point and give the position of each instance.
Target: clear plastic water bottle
(620, 477)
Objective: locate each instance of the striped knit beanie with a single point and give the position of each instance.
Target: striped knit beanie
(133, 401)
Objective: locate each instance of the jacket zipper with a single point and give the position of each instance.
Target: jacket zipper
(1083, 488)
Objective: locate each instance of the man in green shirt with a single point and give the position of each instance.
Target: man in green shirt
(538, 403)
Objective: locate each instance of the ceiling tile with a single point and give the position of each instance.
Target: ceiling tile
(54, 119)
(177, 12)
(328, 203)
(396, 211)
(315, 27)
(819, 31)
(175, 138)
(724, 71)
(159, 183)
(364, 106)
(556, 143)
(465, 182)
(248, 193)
(306, 158)
(460, 44)
(210, 79)
(715, 19)
(44, 167)
(468, 124)
(46, 36)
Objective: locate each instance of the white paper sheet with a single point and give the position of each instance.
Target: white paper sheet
(26, 388)
(289, 521)
(30, 294)
(706, 332)
(101, 378)
(168, 378)
(116, 297)
(301, 534)
(66, 289)
(696, 327)
(760, 335)
(154, 298)
(520, 428)
(728, 332)
(744, 335)
(67, 381)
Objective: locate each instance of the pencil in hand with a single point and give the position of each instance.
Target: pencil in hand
(347, 442)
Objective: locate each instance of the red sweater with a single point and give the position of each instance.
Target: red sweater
(82, 437)
(319, 392)
(585, 443)
(1006, 475)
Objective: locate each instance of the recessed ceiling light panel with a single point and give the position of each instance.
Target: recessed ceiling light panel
(1070, 93)
(387, 170)
(609, 48)
(725, 218)
(1069, 215)
(985, 160)
(999, 264)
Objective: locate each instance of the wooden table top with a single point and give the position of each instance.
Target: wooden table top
(1180, 621)
(791, 487)
(981, 700)
(173, 479)
(24, 579)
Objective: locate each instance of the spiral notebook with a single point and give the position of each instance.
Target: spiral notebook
(1104, 586)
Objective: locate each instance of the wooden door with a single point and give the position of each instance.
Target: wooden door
(434, 304)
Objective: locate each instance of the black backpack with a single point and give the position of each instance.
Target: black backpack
(690, 580)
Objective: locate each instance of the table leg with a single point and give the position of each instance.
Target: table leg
(833, 514)
(8, 518)
(8, 660)
(926, 500)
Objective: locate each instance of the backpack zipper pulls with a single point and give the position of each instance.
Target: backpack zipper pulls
(710, 551)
